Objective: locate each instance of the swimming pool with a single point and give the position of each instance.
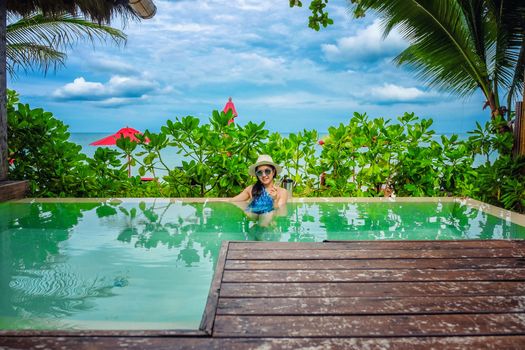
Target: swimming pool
(147, 264)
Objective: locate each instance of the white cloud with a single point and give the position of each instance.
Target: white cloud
(253, 5)
(224, 18)
(367, 45)
(299, 99)
(113, 65)
(391, 93)
(116, 87)
(189, 28)
(79, 88)
(114, 102)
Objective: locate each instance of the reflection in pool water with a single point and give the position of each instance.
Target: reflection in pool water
(149, 265)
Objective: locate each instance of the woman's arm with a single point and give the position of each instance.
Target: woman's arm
(280, 208)
(245, 195)
(281, 198)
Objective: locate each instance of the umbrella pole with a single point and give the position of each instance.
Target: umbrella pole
(129, 166)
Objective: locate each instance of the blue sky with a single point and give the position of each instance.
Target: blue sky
(193, 55)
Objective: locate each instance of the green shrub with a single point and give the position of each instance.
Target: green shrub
(361, 158)
(40, 151)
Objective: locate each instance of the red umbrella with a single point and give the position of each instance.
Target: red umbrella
(229, 105)
(111, 140)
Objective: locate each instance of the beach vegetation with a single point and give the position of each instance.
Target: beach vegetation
(363, 158)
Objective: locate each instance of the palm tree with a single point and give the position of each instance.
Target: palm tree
(99, 11)
(33, 42)
(460, 46)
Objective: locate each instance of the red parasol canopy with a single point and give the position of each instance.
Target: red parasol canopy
(112, 139)
(229, 105)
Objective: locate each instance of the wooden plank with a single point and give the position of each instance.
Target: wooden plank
(406, 275)
(376, 289)
(208, 316)
(475, 263)
(369, 326)
(472, 240)
(107, 343)
(10, 190)
(302, 254)
(132, 343)
(376, 245)
(359, 305)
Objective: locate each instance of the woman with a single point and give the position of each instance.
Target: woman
(264, 197)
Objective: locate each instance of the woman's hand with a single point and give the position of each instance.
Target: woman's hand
(274, 193)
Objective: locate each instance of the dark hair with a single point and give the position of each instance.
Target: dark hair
(257, 188)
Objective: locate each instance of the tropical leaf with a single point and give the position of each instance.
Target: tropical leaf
(100, 11)
(37, 41)
(459, 46)
(28, 56)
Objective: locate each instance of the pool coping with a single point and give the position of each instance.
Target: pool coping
(507, 215)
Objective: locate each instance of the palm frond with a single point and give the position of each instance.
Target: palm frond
(450, 76)
(42, 38)
(61, 31)
(474, 14)
(30, 57)
(509, 17)
(517, 84)
(443, 51)
(100, 11)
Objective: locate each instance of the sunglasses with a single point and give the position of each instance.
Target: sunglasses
(266, 172)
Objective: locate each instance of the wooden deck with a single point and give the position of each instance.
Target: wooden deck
(345, 295)
(13, 190)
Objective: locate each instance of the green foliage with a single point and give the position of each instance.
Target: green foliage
(40, 152)
(319, 15)
(216, 155)
(365, 157)
(296, 153)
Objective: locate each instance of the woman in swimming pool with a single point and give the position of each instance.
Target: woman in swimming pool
(264, 197)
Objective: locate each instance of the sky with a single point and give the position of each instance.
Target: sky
(192, 55)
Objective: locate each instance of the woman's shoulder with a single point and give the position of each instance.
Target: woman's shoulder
(248, 190)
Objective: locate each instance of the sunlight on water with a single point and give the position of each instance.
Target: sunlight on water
(149, 265)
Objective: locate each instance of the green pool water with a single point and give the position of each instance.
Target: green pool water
(148, 265)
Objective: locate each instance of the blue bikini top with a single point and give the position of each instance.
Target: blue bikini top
(261, 204)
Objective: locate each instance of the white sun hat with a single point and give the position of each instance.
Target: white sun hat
(263, 159)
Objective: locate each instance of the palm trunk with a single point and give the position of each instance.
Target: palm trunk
(493, 105)
(519, 126)
(495, 111)
(3, 88)
(519, 131)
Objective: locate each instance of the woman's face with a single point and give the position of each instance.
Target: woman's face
(265, 174)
